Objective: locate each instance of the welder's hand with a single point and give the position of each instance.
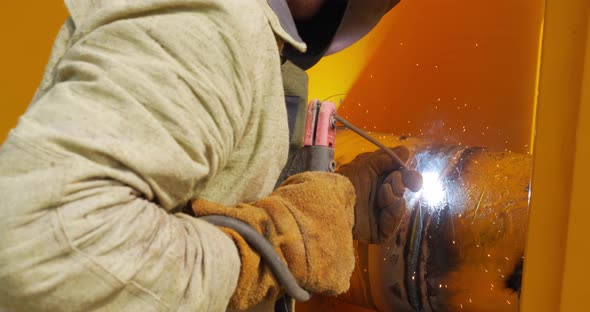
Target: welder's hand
(380, 183)
(308, 220)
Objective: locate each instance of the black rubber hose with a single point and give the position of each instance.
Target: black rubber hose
(266, 251)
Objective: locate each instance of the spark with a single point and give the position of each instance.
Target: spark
(478, 205)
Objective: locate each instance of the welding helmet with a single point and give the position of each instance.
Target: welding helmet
(337, 25)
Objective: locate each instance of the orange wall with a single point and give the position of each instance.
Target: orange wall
(333, 76)
(27, 29)
(481, 53)
(446, 65)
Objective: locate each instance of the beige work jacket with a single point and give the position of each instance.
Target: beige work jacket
(145, 105)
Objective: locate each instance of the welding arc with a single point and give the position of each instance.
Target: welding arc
(372, 140)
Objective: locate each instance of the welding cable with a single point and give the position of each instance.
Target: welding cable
(372, 140)
(266, 251)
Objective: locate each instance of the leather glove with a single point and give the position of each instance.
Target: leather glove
(380, 183)
(293, 219)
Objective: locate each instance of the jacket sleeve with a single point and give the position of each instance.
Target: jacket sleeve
(143, 112)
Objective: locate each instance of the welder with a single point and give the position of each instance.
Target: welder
(154, 113)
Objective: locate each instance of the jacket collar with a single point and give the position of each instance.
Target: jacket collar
(282, 23)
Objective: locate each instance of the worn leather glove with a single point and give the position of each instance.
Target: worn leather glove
(380, 184)
(309, 221)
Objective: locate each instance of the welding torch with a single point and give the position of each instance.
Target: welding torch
(409, 176)
(317, 154)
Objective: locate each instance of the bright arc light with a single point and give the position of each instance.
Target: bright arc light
(433, 191)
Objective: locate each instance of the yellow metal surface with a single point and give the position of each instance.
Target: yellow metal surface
(27, 30)
(536, 100)
(575, 290)
(325, 84)
(555, 272)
